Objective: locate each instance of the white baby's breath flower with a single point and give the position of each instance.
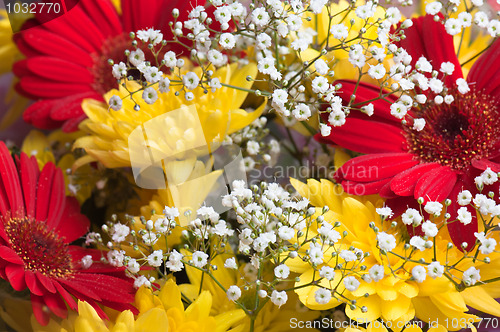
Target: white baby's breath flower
(133, 266)
(149, 95)
(339, 31)
(227, 41)
(170, 59)
(327, 272)
(419, 274)
(260, 17)
(433, 208)
(142, 281)
(190, 80)
(321, 67)
(336, 118)
(325, 129)
(464, 216)
(429, 228)
(233, 293)
(462, 86)
(385, 212)
(279, 298)
(230, 263)
(433, 8)
(377, 72)
(156, 258)
(351, 283)
(376, 272)
(435, 270)
(87, 261)
(200, 259)
(115, 103)
(164, 85)
(418, 242)
(471, 276)
(411, 217)
(453, 26)
(281, 271)
(386, 241)
(322, 296)
(119, 70)
(136, 57)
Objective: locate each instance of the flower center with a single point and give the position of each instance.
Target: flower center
(456, 134)
(113, 48)
(40, 249)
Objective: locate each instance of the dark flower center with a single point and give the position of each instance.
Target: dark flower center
(456, 134)
(40, 249)
(114, 49)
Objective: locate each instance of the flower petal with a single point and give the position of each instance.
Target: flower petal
(459, 232)
(374, 167)
(485, 73)
(404, 183)
(366, 136)
(421, 40)
(436, 185)
(15, 274)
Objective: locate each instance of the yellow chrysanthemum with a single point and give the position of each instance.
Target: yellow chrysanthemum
(162, 311)
(270, 317)
(396, 297)
(195, 181)
(219, 114)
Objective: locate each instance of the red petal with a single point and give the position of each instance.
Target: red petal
(38, 305)
(483, 164)
(29, 178)
(75, 224)
(11, 183)
(422, 40)
(43, 88)
(66, 296)
(358, 188)
(15, 274)
(10, 255)
(57, 200)
(105, 13)
(71, 125)
(366, 136)
(404, 183)
(459, 232)
(485, 73)
(386, 192)
(56, 304)
(366, 93)
(58, 70)
(436, 184)
(373, 167)
(38, 114)
(43, 192)
(46, 282)
(71, 107)
(38, 41)
(33, 283)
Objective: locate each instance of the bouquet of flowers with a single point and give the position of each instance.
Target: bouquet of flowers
(261, 165)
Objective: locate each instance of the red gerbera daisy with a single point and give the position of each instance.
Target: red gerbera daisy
(37, 223)
(458, 142)
(66, 58)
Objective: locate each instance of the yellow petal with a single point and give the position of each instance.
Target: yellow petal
(153, 320)
(393, 310)
(479, 299)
